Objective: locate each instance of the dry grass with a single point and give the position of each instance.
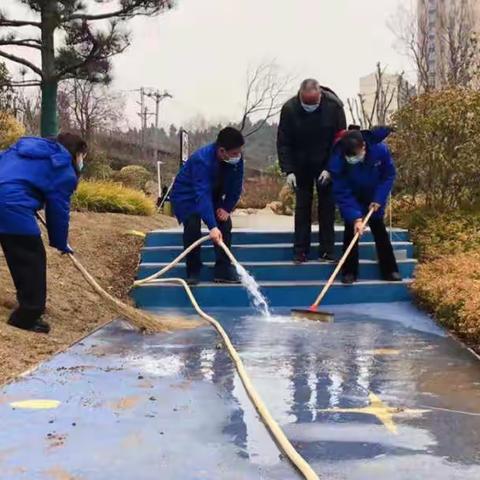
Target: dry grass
(102, 245)
(259, 192)
(94, 196)
(449, 287)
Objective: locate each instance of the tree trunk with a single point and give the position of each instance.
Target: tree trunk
(49, 116)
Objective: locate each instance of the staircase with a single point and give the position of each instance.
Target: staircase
(267, 255)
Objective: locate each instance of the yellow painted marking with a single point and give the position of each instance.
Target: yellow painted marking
(136, 233)
(378, 409)
(384, 351)
(36, 404)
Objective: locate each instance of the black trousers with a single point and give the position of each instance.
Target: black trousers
(386, 256)
(26, 260)
(192, 231)
(303, 215)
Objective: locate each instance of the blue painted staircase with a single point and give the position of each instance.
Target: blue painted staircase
(267, 255)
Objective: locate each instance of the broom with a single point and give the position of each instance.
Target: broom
(144, 321)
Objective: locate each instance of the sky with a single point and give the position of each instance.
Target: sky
(201, 51)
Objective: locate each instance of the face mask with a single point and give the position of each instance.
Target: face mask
(356, 159)
(233, 160)
(80, 163)
(310, 108)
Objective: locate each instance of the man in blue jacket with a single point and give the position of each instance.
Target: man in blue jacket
(36, 173)
(207, 188)
(363, 174)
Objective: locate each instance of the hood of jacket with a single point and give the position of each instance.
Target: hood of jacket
(36, 148)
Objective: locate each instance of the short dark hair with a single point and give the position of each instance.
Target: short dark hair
(351, 142)
(74, 143)
(230, 138)
(307, 82)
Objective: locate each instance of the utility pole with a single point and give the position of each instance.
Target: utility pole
(158, 97)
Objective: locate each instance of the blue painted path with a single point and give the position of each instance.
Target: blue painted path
(381, 393)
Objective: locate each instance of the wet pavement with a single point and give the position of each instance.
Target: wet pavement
(380, 393)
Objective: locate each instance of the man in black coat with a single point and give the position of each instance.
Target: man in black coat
(308, 125)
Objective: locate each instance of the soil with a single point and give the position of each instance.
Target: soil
(102, 242)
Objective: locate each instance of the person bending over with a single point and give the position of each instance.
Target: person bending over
(36, 173)
(363, 174)
(207, 188)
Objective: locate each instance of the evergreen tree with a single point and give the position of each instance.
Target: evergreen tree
(86, 49)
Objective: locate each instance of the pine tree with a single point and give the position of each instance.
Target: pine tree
(86, 49)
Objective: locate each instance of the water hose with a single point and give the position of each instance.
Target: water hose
(277, 433)
(142, 320)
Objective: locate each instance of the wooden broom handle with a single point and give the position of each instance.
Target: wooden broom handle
(342, 261)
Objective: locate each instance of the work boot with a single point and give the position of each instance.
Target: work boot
(393, 277)
(226, 275)
(193, 278)
(300, 258)
(348, 279)
(37, 326)
(327, 258)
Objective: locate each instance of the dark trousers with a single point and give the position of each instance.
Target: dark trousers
(192, 231)
(303, 215)
(26, 260)
(386, 256)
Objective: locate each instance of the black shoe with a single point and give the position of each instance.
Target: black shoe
(348, 279)
(193, 279)
(393, 277)
(226, 276)
(39, 326)
(327, 258)
(300, 258)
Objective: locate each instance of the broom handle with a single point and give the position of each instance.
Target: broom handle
(342, 261)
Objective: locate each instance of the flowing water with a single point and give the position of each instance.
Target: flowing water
(253, 289)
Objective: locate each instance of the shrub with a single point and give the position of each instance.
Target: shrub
(97, 166)
(449, 288)
(437, 146)
(134, 176)
(259, 192)
(111, 197)
(10, 130)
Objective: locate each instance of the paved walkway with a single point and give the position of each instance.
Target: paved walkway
(380, 393)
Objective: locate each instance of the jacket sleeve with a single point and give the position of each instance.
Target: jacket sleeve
(387, 177)
(202, 185)
(235, 191)
(349, 207)
(341, 120)
(57, 209)
(285, 141)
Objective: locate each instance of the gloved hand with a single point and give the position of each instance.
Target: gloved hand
(67, 251)
(292, 181)
(324, 178)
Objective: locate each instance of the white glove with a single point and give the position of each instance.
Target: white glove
(292, 181)
(324, 177)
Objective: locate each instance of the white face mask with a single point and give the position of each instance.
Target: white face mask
(310, 108)
(356, 159)
(233, 160)
(80, 161)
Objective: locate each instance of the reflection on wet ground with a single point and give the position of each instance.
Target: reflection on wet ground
(379, 393)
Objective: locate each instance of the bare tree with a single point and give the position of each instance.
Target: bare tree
(387, 93)
(459, 44)
(265, 94)
(441, 44)
(89, 107)
(411, 30)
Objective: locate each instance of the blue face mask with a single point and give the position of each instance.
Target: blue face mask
(233, 160)
(356, 159)
(80, 165)
(310, 108)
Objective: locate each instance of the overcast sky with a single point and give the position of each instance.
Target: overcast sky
(201, 51)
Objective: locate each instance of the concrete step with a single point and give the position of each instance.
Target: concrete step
(283, 271)
(245, 237)
(279, 294)
(266, 252)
